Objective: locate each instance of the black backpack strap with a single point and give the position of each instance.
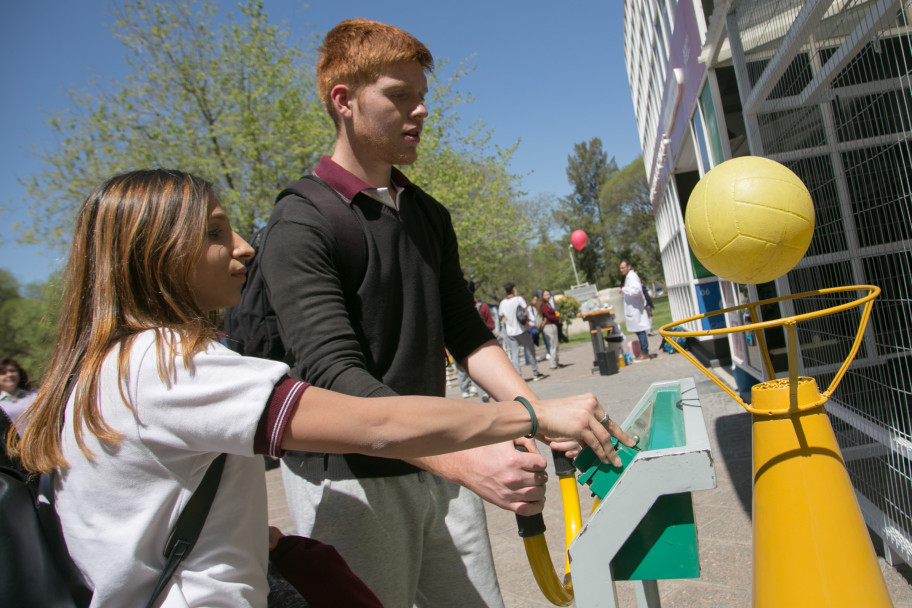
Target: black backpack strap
(252, 327)
(189, 524)
(350, 241)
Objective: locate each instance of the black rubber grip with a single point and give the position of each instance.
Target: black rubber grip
(563, 466)
(529, 525)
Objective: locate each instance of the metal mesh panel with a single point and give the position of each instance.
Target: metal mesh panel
(762, 24)
(829, 230)
(832, 100)
(878, 180)
(792, 130)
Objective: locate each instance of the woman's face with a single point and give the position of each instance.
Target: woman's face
(9, 379)
(546, 295)
(219, 273)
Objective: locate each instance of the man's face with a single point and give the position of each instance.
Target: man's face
(624, 268)
(388, 114)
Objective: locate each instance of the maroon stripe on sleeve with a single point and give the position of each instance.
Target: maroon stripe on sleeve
(279, 407)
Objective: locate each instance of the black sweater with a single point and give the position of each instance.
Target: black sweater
(390, 337)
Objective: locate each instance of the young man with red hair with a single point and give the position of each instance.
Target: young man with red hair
(413, 531)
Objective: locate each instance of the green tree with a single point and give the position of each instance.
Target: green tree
(549, 256)
(235, 103)
(460, 168)
(28, 326)
(588, 169)
(629, 222)
(538, 259)
(9, 286)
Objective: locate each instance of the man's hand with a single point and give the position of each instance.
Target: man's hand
(499, 473)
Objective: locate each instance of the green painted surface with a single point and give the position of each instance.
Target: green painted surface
(667, 420)
(664, 544)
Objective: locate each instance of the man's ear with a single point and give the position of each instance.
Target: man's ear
(341, 100)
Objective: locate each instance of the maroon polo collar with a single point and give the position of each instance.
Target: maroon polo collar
(346, 183)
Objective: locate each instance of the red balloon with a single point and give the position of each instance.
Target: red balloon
(578, 238)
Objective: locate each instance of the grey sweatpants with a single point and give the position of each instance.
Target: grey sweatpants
(514, 343)
(551, 333)
(416, 540)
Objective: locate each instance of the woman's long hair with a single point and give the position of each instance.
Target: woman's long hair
(136, 240)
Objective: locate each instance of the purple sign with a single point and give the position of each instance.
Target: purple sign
(684, 76)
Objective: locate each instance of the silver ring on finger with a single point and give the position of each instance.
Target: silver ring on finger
(606, 419)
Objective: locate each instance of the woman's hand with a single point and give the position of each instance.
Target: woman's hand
(582, 418)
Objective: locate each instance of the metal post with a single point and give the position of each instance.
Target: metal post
(570, 247)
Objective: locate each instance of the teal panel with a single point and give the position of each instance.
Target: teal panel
(667, 420)
(659, 425)
(601, 477)
(663, 546)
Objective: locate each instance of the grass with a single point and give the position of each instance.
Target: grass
(661, 316)
(662, 313)
(578, 338)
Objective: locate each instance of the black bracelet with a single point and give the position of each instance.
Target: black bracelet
(528, 406)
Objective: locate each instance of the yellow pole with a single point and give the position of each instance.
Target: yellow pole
(811, 545)
(573, 520)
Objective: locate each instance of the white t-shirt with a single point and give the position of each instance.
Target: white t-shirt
(117, 510)
(507, 310)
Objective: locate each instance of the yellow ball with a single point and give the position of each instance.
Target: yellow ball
(749, 220)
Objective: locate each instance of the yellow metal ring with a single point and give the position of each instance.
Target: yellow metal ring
(790, 325)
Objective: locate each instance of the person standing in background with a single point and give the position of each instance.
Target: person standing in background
(537, 323)
(467, 386)
(16, 393)
(636, 316)
(516, 333)
(550, 330)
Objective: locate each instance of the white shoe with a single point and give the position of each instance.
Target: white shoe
(467, 395)
(547, 357)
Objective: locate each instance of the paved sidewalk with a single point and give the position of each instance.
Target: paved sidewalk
(722, 515)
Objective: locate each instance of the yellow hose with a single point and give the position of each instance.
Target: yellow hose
(557, 592)
(543, 571)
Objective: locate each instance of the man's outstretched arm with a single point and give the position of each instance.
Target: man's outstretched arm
(499, 473)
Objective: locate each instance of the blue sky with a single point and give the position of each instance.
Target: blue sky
(550, 74)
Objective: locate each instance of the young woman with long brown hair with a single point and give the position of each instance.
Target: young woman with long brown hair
(140, 398)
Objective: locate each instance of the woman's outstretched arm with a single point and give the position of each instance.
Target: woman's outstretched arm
(410, 426)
